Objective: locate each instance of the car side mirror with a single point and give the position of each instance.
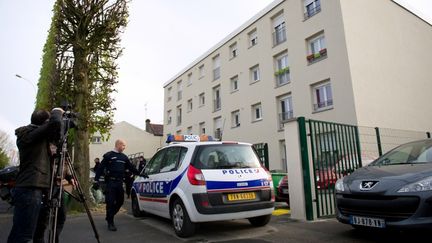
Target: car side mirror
(143, 174)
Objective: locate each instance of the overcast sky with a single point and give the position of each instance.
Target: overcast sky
(162, 38)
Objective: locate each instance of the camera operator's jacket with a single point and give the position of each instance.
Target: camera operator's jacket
(33, 145)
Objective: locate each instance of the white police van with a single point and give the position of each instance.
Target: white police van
(194, 180)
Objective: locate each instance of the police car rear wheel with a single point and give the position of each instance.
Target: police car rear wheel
(136, 211)
(182, 224)
(260, 220)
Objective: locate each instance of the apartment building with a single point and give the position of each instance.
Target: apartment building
(361, 62)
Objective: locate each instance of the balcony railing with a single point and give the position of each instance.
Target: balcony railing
(216, 73)
(312, 11)
(323, 104)
(218, 133)
(279, 36)
(283, 78)
(284, 117)
(217, 104)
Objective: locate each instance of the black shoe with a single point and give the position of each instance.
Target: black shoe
(111, 227)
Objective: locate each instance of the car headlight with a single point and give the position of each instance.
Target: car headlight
(419, 186)
(339, 186)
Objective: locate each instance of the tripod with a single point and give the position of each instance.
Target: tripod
(56, 188)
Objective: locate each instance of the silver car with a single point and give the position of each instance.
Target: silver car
(394, 191)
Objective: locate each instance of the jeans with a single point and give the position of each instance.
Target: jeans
(27, 202)
(114, 198)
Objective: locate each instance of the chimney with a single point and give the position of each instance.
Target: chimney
(148, 127)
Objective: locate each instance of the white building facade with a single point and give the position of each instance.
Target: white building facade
(351, 61)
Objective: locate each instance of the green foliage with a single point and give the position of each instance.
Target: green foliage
(282, 71)
(4, 159)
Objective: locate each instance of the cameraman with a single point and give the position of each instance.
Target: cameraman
(35, 172)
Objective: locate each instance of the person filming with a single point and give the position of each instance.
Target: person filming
(33, 179)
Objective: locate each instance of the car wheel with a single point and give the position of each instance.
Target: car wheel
(136, 211)
(182, 224)
(260, 220)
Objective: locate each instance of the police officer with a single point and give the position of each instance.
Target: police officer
(115, 164)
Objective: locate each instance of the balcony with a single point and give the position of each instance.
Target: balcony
(217, 104)
(216, 73)
(284, 117)
(317, 56)
(323, 104)
(282, 76)
(311, 11)
(279, 36)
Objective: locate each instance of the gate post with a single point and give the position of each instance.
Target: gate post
(298, 169)
(378, 137)
(428, 134)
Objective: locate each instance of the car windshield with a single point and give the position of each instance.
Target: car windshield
(410, 153)
(226, 156)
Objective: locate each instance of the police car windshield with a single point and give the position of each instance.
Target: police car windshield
(226, 156)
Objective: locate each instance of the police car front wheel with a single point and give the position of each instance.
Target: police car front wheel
(136, 211)
(182, 224)
(260, 220)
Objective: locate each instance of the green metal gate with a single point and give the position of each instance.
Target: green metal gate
(262, 151)
(334, 152)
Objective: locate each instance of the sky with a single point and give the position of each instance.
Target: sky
(161, 39)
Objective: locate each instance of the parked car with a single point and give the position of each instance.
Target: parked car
(326, 178)
(394, 191)
(282, 191)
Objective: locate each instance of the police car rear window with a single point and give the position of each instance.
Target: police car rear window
(225, 156)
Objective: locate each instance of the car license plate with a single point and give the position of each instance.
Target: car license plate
(241, 196)
(366, 221)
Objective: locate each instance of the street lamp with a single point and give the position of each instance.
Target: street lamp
(21, 77)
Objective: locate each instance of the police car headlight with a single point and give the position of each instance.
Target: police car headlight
(340, 185)
(419, 186)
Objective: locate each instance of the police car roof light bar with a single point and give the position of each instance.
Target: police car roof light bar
(189, 138)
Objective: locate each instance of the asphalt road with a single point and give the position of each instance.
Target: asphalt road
(155, 229)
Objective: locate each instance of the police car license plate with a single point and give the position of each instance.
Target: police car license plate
(366, 221)
(241, 196)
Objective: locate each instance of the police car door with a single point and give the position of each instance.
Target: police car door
(145, 186)
(167, 179)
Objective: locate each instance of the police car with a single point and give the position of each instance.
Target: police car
(194, 180)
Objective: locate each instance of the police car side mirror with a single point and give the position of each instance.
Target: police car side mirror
(143, 174)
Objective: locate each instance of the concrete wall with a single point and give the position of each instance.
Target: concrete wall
(390, 60)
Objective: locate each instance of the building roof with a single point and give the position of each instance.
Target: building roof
(155, 129)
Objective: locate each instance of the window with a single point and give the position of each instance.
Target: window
(216, 67)
(256, 112)
(217, 98)
(323, 97)
(169, 118)
(179, 132)
(179, 115)
(282, 72)
(189, 105)
(279, 34)
(234, 83)
(179, 90)
(96, 140)
(235, 118)
(233, 50)
(189, 79)
(201, 71)
(169, 93)
(253, 38)
(202, 129)
(316, 48)
(189, 130)
(255, 74)
(312, 7)
(171, 159)
(286, 110)
(201, 99)
(155, 163)
(217, 127)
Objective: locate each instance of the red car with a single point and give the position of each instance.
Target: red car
(282, 190)
(326, 178)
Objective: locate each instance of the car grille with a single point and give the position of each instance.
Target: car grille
(389, 208)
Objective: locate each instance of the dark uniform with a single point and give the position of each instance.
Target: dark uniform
(115, 165)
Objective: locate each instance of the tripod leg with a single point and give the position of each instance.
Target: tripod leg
(81, 196)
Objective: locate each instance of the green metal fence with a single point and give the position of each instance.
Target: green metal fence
(262, 150)
(330, 151)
